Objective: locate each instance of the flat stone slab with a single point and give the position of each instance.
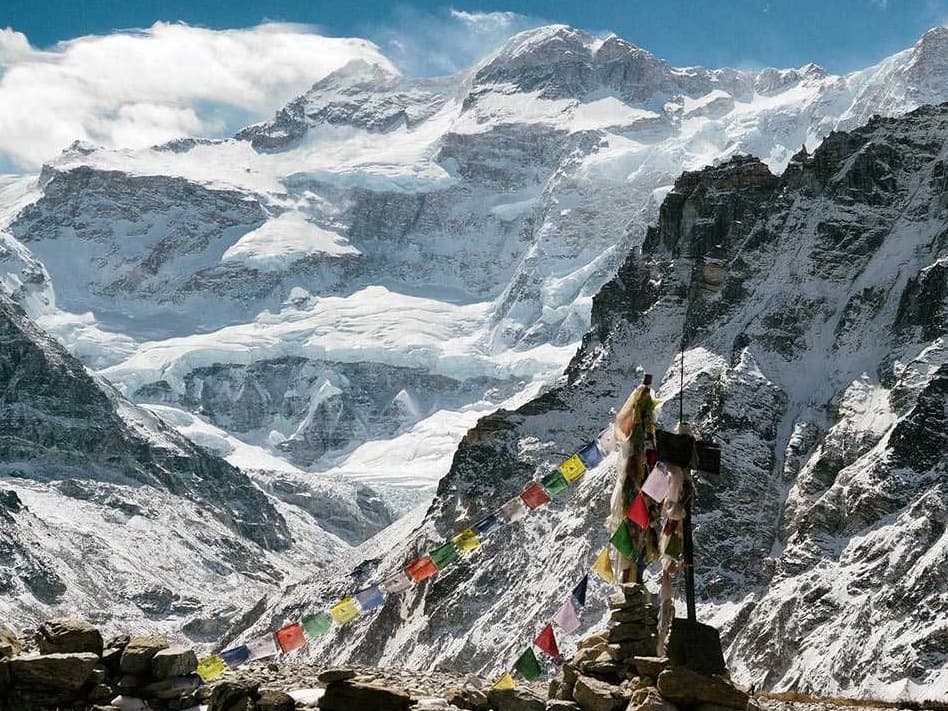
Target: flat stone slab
(67, 672)
(683, 686)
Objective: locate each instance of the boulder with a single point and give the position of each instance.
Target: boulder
(4, 675)
(101, 692)
(275, 701)
(170, 688)
(593, 640)
(68, 672)
(339, 674)
(10, 645)
(650, 666)
(595, 695)
(234, 696)
(136, 657)
(560, 705)
(629, 632)
(514, 700)
(561, 685)
(66, 635)
(350, 694)
(683, 686)
(467, 697)
(651, 700)
(173, 662)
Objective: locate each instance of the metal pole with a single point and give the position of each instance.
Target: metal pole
(689, 558)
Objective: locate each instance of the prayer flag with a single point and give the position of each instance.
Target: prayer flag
(505, 682)
(672, 547)
(579, 592)
(443, 556)
(527, 665)
(709, 457)
(344, 611)
(513, 510)
(657, 483)
(622, 540)
(573, 468)
(554, 483)
(397, 583)
(316, 625)
(607, 441)
(533, 495)
(235, 655)
(638, 511)
(262, 647)
(466, 541)
(421, 568)
(678, 449)
(603, 566)
(566, 617)
(370, 598)
(487, 525)
(591, 455)
(546, 642)
(291, 637)
(210, 668)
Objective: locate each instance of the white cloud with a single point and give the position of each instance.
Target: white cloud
(443, 42)
(133, 89)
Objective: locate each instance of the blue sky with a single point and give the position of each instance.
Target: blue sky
(839, 34)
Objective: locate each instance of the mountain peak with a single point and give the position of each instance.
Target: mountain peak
(931, 48)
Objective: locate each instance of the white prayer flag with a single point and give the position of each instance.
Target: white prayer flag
(607, 441)
(566, 617)
(513, 510)
(263, 647)
(398, 583)
(657, 483)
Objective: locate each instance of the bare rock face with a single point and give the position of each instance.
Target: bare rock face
(65, 635)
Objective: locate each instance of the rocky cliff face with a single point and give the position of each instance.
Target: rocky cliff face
(813, 357)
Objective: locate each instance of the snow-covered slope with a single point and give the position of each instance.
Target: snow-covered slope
(815, 316)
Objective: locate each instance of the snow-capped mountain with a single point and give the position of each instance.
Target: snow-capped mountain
(332, 298)
(813, 307)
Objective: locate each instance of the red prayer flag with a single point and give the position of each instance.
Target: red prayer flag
(291, 638)
(638, 511)
(421, 568)
(546, 642)
(534, 495)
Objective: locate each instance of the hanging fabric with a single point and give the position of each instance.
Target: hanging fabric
(534, 496)
(638, 511)
(566, 617)
(505, 682)
(657, 483)
(591, 455)
(579, 592)
(466, 541)
(603, 566)
(210, 668)
(316, 625)
(397, 583)
(573, 468)
(622, 540)
(235, 655)
(291, 638)
(444, 555)
(421, 568)
(370, 598)
(513, 510)
(344, 611)
(488, 524)
(263, 647)
(554, 483)
(527, 665)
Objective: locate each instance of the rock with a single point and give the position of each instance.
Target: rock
(4, 675)
(595, 695)
(10, 645)
(650, 700)
(593, 640)
(467, 697)
(683, 686)
(170, 688)
(275, 701)
(560, 705)
(128, 682)
(650, 666)
(234, 696)
(339, 674)
(136, 657)
(561, 685)
(112, 658)
(57, 671)
(514, 700)
(629, 632)
(605, 670)
(173, 662)
(101, 692)
(65, 635)
(349, 695)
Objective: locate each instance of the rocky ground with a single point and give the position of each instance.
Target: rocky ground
(67, 664)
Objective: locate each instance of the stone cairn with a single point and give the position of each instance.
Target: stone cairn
(618, 671)
(69, 666)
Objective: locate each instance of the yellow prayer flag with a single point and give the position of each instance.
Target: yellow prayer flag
(573, 468)
(345, 610)
(505, 682)
(210, 668)
(466, 541)
(603, 566)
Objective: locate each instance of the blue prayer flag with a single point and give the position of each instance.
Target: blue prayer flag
(579, 592)
(236, 655)
(487, 525)
(591, 455)
(370, 598)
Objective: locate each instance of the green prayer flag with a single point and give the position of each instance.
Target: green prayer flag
(554, 482)
(622, 540)
(316, 625)
(673, 547)
(445, 555)
(527, 665)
